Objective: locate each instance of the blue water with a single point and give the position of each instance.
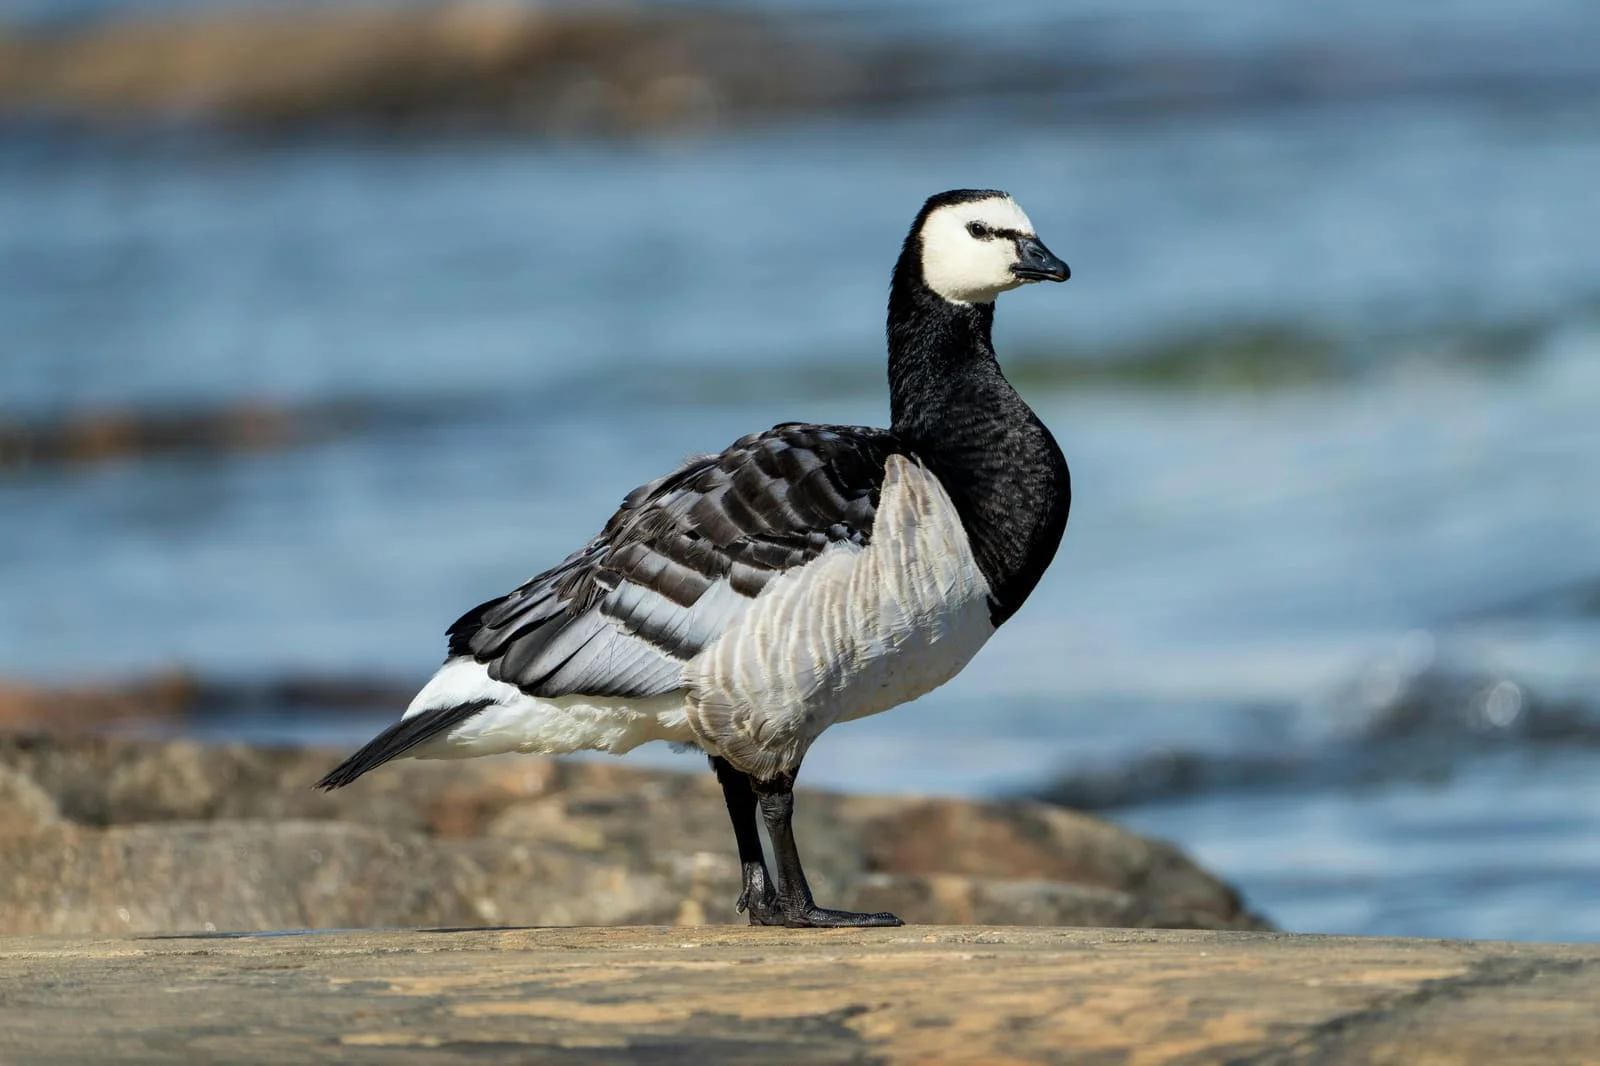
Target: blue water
(554, 323)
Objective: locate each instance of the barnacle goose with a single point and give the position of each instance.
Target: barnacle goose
(805, 576)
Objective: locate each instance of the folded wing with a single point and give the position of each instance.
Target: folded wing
(681, 558)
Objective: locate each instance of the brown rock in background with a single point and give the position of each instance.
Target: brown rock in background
(595, 68)
(121, 836)
(84, 709)
(25, 808)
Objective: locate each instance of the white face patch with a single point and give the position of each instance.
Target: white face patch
(967, 269)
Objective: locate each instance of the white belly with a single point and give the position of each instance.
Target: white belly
(854, 632)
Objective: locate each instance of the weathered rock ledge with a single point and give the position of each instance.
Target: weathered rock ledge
(103, 836)
(913, 995)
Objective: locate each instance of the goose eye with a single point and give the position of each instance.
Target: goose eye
(978, 230)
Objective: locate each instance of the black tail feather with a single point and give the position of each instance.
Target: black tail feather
(399, 739)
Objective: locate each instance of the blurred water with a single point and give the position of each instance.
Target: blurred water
(573, 318)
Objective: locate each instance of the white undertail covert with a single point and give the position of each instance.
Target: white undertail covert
(516, 721)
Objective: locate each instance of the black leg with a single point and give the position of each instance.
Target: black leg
(794, 905)
(759, 898)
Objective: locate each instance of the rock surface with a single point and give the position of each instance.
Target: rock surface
(115, 836)
(774, 996)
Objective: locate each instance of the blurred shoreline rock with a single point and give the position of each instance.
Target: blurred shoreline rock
(120, 836)
(462, 64)
(165, 699)
(108, 433)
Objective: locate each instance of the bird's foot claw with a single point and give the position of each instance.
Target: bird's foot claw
(768, 914)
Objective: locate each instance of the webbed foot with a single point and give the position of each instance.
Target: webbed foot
(814, 917)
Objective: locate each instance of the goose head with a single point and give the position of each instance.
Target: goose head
(973, 244)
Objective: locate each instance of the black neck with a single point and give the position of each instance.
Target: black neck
(954, 408)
